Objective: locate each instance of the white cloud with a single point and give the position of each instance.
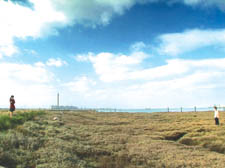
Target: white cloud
(113, 67)
(56, 62)
(177, 83)
(80, 84)
(51, 62)
(138, 46)
(30, 84)
(84, 57)
(20, 22)
(204, 3)
(39, 64)
(47, 16)
(197, 87)
(92, 13)
(8, 49)
(31, 52)
(177, 43)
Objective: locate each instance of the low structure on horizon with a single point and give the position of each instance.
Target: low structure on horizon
(55, 107)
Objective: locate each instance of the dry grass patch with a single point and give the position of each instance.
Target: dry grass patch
(87, 139)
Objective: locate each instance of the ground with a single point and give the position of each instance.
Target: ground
(88, 139)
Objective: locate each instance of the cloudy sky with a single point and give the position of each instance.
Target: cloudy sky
(112, 53)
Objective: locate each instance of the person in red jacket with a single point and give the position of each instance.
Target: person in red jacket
(12, 105)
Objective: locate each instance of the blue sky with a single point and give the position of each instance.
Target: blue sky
(112, 53)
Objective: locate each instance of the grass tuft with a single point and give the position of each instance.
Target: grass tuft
(187, 141)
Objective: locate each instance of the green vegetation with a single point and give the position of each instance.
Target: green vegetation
(84, 139)
(6, 122)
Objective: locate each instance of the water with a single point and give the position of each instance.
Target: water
(156, 110)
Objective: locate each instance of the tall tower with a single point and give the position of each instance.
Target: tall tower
(58, 99)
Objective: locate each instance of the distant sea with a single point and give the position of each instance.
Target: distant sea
(148, 110)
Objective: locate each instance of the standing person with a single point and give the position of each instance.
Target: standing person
(12, 105)
(216, 115)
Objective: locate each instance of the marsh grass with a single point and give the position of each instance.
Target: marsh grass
(85, 139)
(6, 122)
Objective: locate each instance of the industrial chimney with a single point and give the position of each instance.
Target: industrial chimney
(58, 99)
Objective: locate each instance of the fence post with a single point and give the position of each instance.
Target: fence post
(168, 109)
(181, 109)
(195, 109)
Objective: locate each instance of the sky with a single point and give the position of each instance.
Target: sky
(112, 53)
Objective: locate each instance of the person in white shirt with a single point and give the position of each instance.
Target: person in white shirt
(216, 115)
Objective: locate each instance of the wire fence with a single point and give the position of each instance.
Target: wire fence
(168, 109)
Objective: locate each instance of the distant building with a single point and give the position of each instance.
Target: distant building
(54, 107)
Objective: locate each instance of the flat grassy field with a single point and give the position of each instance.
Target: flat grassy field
(85, 139)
